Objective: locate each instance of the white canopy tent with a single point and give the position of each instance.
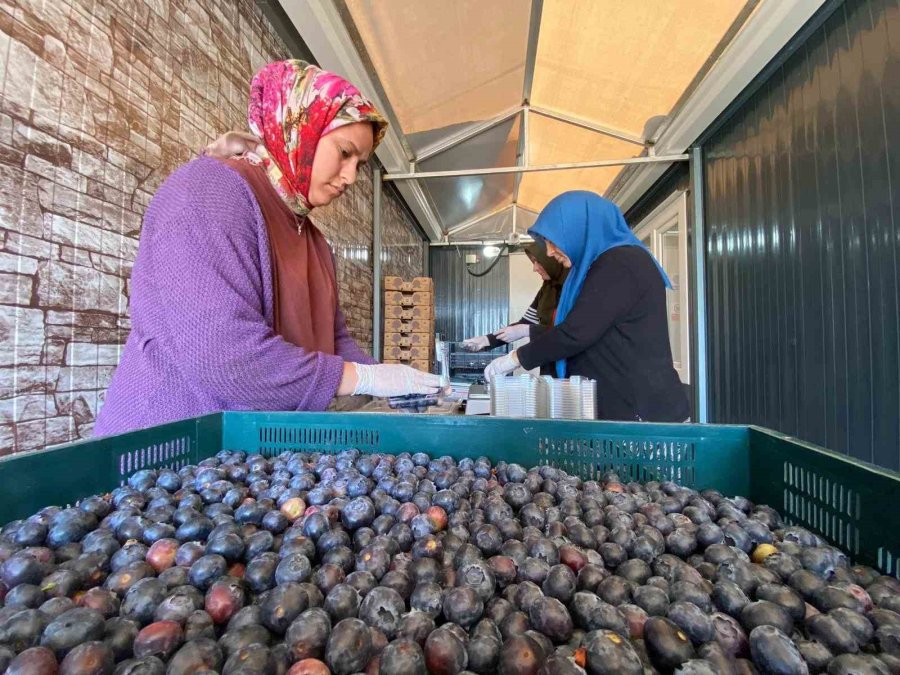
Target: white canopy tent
(496, 107)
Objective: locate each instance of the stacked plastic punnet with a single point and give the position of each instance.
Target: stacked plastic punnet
(544, 397)
(519, 396)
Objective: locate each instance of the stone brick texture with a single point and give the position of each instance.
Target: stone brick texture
(99, 101)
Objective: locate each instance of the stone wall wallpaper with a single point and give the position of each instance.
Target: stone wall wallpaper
(99, 101)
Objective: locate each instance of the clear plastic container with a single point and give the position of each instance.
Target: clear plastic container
(543, 397)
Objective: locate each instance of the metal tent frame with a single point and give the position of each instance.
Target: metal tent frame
(726, 73)
(413, 175)
(523, 165)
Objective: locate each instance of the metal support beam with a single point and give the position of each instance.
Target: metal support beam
(480, 242)
(522, 154)
(376, 263)
(477, 219)
(531, 169)
(534, 33)
(698, 243)
(464, 135)
(590, 126)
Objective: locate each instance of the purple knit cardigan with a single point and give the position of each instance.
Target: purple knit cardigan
(202, 314)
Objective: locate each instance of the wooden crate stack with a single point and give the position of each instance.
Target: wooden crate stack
(409, 321)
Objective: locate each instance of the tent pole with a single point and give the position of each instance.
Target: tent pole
(544, 167)
(376, 263)
(590, 126)
(698, 242)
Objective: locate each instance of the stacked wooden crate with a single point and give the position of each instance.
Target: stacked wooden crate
(409, 321)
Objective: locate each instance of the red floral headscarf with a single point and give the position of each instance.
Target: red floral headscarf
(292, 106)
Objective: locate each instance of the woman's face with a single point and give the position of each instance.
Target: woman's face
(338, 158)
(558, 255)
(539, 270)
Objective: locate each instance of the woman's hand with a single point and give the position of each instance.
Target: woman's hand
(233, 143)
(516, 331)
(476, 344)
(502, 365)
(392, 379)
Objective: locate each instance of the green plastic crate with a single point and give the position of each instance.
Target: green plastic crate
(853, 504)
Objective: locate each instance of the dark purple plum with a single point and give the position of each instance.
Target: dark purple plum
(142, 599)
(774, 652)
(652, 600)
(415, 626)
(445, 652)
(667, 645)
(342, 602)
(550, 617)
(308, 635)
(765, 613)
(608, 653)
(23, 629)
(515, 623)
(34, 661)
(692, 620)
(827, 630)
(560, 583)
(463, 606)
(729, 634)
(236, 639)
(196, 656)
(349, 647)
(427, 598)
(199, 625)
(293, 568)
(282, 605)
(259, 574)
(206, 570)
(73, 628)
(403, 657)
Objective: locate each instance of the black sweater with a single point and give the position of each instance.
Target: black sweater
(617, 334)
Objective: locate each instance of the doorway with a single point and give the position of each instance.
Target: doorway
(664, 232)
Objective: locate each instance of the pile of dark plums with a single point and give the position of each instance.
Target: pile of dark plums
(311, 563)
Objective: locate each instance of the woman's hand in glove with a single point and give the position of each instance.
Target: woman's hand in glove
(516, 331)
(501, 366)
(393, 379)
(476, 344)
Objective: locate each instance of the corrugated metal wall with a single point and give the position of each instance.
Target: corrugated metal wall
(801, 188)
(465, 306)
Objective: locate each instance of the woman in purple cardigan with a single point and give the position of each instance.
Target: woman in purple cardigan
(234, 300)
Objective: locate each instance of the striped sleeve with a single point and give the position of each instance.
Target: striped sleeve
(530, 316)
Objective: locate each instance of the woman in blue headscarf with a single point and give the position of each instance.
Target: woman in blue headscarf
(611, 321)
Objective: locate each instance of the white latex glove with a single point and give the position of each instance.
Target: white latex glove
(514, 332)
(476, 344)
(393, 379)
(501, 366)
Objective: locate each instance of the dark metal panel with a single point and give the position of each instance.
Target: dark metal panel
(802, 241)
(833, 224)
(464, 305)
(869, 27)
(853, 212)
(811, 268)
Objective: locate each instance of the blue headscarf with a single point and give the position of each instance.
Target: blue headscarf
(584, 226)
